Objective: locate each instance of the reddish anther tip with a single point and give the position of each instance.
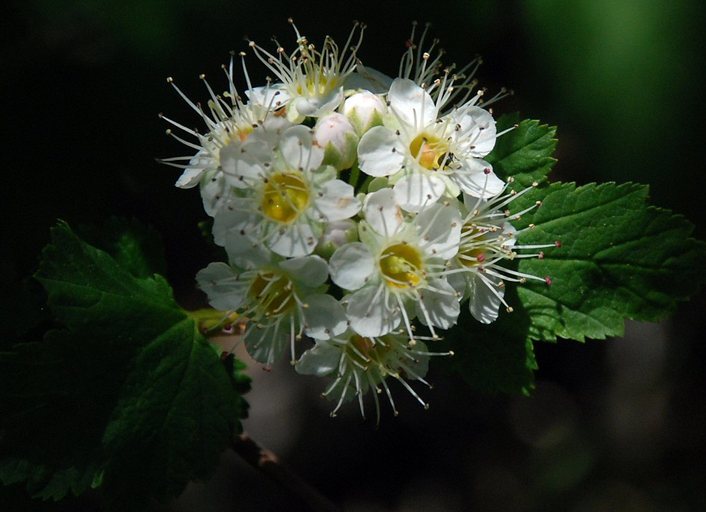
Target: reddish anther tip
(548, 280)
(557, 243)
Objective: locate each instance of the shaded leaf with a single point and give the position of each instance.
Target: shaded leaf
(128, 396)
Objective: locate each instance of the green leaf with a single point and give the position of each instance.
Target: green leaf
(134, 246)
(497, 357)
(525, 152)
(619, 258)
(128, 396)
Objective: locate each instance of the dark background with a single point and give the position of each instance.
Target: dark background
(615, 425)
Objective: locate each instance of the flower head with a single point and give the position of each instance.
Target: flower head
(427, 155)
(396, 271)
(284, 195)
(312, 80)
(282, 300)
(358, 364)
(230, 122)
(488, 243)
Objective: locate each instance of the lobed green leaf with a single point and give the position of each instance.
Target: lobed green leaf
(526, 152)
(129, 396)
(619, 259)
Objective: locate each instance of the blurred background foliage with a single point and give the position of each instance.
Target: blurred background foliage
(613, 425)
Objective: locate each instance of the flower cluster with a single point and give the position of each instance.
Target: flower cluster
(357, 210)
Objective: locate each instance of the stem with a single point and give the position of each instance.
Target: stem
(268, 463)
(212, 322)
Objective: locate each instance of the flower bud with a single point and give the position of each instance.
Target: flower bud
(364, 110)
(336, 135)
(336, 234)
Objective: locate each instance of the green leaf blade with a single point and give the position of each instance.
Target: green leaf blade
(525, 152)
(619, 259)
(129, 395)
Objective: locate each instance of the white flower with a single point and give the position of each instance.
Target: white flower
(488, 242)
(426, 155)
(336, 135)
(396, 272)
(281, 300)
(359, 364)
(285, 196)
(229, 122)
(312, 80)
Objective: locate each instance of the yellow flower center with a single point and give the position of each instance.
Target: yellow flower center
(318, 85)
(286, 197)
(241, 134)
(363, 350)
(401, 266)
(476, 244)
(429, 150)
(274, 292)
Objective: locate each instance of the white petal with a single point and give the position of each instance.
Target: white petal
(440, 227)
(294, 240)
(510, 234)
(236, 220)
(200, 163)
(189, 178)
(478, 127)
(324, 317)
(222, 285)
(272, 96)
(316, 106)
(244, 252)
(244, 163)
(441, 306)
(337, 201)
(411, 104)
(371, 312)
(320, 360)
(418, 189)
(298, 149)
(382, 213)
(215, 192)
(351, 266)
(309, 270)
(380, 152)
(458, 282)
(476, 178)
(368, 79)
(482, 302)
(267, 344)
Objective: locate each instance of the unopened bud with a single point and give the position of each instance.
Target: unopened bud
(336, 135)
(364, 110)
(336, 234)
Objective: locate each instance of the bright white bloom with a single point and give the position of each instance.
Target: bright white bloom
(281, 299)
(397, 271)
(312, 81)
(286, 197)
(229, 122)
(336, 135)
(358, 364)
(427, 155)
(364, 110)
(488, 242)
